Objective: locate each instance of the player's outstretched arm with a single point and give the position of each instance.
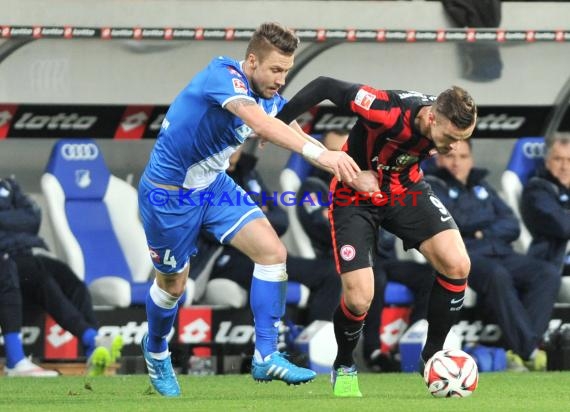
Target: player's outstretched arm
(322, 88)
(277, 132)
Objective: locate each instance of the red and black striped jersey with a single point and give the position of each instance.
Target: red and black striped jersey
(385, 137)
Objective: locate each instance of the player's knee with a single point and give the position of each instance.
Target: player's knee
(358, 303)
(281, 253)
(163, 297)
(274, 255)
(174, 285)
(360, 306)
(458, 267)
(174, 290)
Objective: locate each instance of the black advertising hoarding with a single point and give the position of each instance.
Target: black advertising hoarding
(77, 121)
(143, 121)
(231, 328)
(492, 122)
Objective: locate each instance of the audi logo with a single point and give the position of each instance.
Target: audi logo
(533, 150)
(79, 151)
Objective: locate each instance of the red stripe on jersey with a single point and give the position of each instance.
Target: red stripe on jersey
(375, 106)
(415, 173)
(332, 189)
(385, 137)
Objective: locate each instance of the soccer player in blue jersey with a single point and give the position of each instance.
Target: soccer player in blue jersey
(184, 189)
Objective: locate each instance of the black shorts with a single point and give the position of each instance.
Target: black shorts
(413, 217)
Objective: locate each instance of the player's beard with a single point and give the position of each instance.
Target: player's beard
(264, 93)
(256, 89)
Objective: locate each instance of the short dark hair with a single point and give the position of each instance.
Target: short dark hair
(458, 106)
(271, 36)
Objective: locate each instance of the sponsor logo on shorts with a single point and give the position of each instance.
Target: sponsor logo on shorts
(154, 255)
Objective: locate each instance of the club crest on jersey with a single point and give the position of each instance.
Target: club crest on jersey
(406, 159)
(239, 86)
(364, 99)
(243, 132)
(347, 253)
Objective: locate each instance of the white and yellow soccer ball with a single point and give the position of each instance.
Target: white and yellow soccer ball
(451, 373)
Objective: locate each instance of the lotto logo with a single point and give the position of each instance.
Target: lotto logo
(195, 326)
(59, 343)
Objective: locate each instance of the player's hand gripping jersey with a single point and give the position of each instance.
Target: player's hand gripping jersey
(195, 141)
(384, 138)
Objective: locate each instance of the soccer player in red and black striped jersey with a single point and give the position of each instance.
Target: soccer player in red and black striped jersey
(395, 130)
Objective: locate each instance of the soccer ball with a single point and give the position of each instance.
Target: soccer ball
(451, 373)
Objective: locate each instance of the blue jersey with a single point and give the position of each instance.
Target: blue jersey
(198, 135)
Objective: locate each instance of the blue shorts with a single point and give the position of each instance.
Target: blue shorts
(172, 219)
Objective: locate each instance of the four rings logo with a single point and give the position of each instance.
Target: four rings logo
(79, 151)
(533, 150)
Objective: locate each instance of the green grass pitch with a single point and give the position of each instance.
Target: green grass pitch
(548, 391)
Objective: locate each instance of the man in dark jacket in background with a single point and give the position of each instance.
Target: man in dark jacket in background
(43, 281)
(545, 205)
(519, 291)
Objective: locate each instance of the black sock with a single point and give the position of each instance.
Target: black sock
(347, 330)
(445, 302)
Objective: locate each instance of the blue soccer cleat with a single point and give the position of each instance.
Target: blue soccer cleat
(161, 374)
(279, 368)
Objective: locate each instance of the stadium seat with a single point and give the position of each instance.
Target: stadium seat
(527, 155)
(96, 224)
(296, 170)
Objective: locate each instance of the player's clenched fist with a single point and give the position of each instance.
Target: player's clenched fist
(342, 165)
(366, 181)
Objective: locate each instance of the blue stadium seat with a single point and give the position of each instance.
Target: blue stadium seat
(527, 155)
(96, 224)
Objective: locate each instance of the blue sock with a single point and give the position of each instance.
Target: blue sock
(14, 349)
(160, 322)
(88, 341)
(267, 300)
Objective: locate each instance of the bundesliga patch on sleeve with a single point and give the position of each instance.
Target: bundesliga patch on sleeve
(239, 86)
(364, 99)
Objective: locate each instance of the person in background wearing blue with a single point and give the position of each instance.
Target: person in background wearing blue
(545, 206)
(17, 364)
(518, 290)
(184, 189)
